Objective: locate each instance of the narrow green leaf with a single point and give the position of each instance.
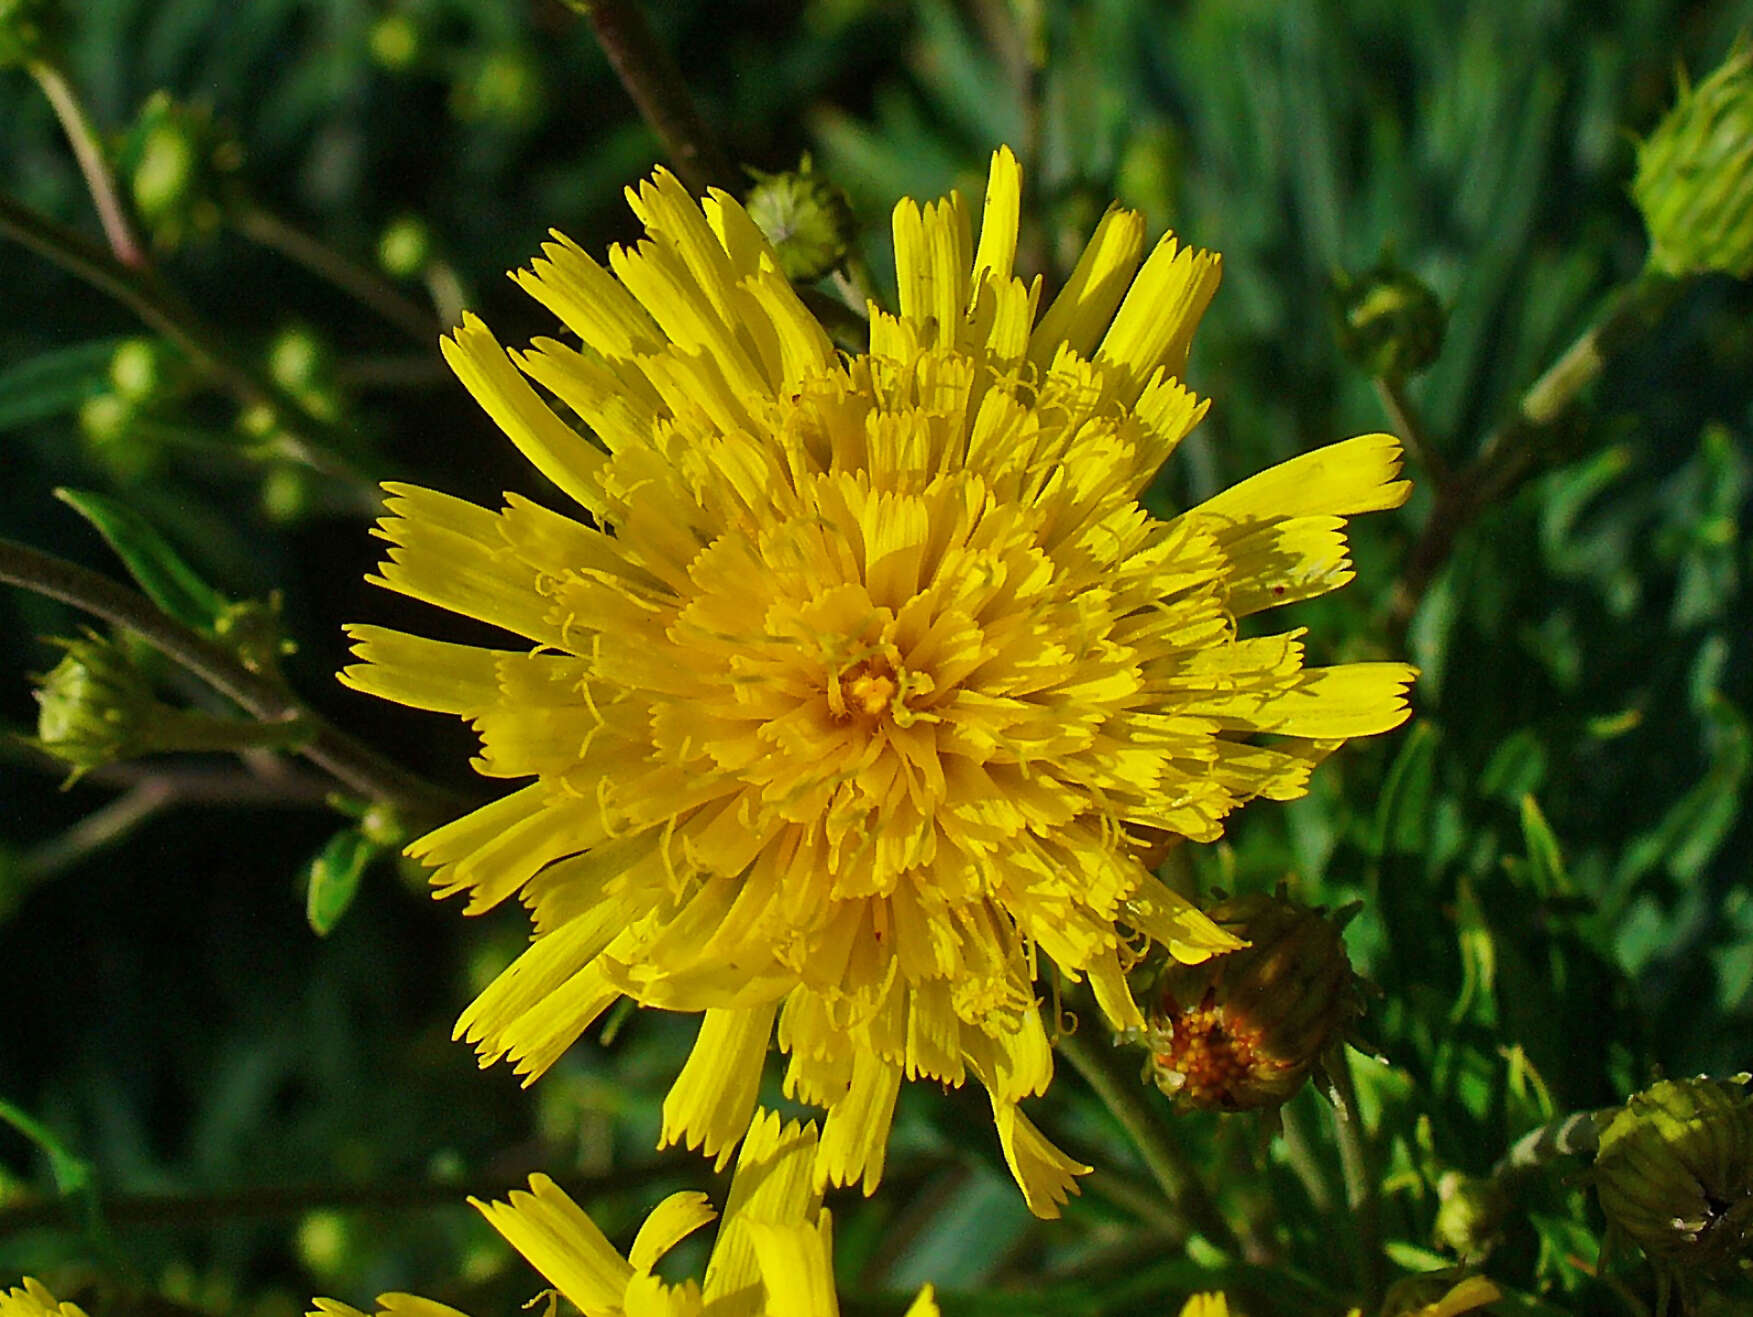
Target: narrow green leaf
(72, 1173)
(1545, 858)
(160, 570)
(1402, 822)
(53, 383)
(332, 878)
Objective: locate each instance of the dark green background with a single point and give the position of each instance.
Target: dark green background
(170, 1017)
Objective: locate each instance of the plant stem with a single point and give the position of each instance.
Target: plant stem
(82, 136)
(295, 1200)
(351, 762)
(1117, 1084)
(655, 83)
(1361, 1191)
(303, 438)
(1407, 425)
(1517, 447)
(358, 282)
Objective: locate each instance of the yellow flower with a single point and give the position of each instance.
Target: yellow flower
(773, 1256)
(867, 678)
(33, 1300)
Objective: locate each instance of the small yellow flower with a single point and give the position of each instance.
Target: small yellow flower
(861, 681)
(773, 1256)
(32, 1299)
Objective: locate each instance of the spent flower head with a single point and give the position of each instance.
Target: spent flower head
(1674, 1173)
(1243, 1029)
(861, 682)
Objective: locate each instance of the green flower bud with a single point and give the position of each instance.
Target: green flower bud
(298, 359)
(180, 163)
(1243, 1029)
(285, 496)
(259, 421)
(1388, 323)
(1675, 1173)
(806, 218)
(396, 42)
(505, 88)
(104, 418)
(324, 1242)
(95, 707)
(1694, 180)
(144, 370)
(28, 31)
(251, 629)
(1470, 1213)
(405, 248)
(1447, 1293)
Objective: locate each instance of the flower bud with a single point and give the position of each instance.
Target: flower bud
(28, 29)
(1470, 1213)
(405, 248)
(1675, 1173)
(1694, 180)
(1389, 324)
(94, 706)
(505, 88)
(251, 629)
(806, 218)
(1242, 1029)
(396, 42)
(145, 370)
(180, 162)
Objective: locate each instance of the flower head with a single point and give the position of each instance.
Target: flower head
(1242, 1029)
(773, 1256)
(865, 680)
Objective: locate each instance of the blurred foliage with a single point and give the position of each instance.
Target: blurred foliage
(208, 1104)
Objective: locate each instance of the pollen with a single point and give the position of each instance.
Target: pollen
(869, 688)
(1214, 1055)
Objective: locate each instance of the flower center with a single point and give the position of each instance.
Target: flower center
(868, 687)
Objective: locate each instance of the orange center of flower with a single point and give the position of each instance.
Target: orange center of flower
(868, 687)
(1214, 1055)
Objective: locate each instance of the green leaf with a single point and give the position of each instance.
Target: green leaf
(1402, 823)
(332, 878)
(54, 383)
(1545, 868)
(72, 1173)
(158, 568)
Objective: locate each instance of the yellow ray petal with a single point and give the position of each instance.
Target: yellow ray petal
(1355, 475)
(709, 1105)
(562, 1243)
(670, 1222)
(427, 674)
(553, 447)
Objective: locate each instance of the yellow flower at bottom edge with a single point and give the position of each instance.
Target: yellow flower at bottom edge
(861, 680)
(32, 1299)
(773, 1256)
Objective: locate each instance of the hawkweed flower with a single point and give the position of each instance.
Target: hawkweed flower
(773, 1256)
(863, 681)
